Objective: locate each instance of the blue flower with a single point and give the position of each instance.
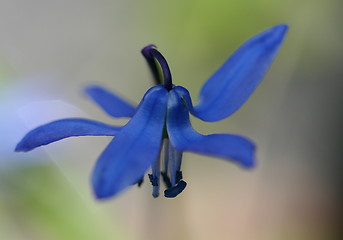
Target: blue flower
(160, 130)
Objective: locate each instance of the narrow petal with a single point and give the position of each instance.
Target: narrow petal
(228, 88)
(184, 138)
(134, 149)
(57, 130)
(112, 104)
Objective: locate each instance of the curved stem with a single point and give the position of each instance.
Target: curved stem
(152, 63)
(150, 53)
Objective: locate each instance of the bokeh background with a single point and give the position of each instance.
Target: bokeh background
(51, 50)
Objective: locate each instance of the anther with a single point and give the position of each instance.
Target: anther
(176, 190)
(155, 183)
(140, 182)
(153, 180)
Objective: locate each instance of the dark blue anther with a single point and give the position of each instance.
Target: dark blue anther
(153, 180)
(140, 182)
(150, 53)
(176, 190)
(155, 183)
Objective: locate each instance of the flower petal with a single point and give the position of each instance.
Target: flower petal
(112, 104)
(135, 147)
(184, 138)
(228, 88)
(57, 130)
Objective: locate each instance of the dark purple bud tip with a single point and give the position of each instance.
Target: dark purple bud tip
(176, 190)
(150, 53)
(146, 51)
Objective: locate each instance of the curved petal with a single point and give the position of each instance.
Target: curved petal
(184, 138)
(57, 130)
(112, 104)
(186, 99)
(228, 88)
(135, 147)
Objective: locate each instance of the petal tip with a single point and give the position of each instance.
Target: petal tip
(88, 90)
(22, 147)
(273, 37)
(249, 162)
(19, 149)
(281, 29)
(100, 193)
(247, 165)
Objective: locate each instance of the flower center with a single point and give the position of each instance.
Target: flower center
(171, 171)
(169, 157)
(152, 55)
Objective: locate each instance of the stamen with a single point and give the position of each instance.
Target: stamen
(150, 52)
(155, 178)
(165, 159)
(166, 179)
(178, 176)
(176, 190)
(178, 156)
(165, 149)
(178, 160)
(175, 160)
(172, 159)
(140, 182)
(172, 165)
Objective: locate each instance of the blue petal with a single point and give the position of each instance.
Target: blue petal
(112, 104)
(64, 128)
(184, 138)
(228, 88)
(134, 149)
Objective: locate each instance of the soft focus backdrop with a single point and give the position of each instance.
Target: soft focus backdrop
(50, 50)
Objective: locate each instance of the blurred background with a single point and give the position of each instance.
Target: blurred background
(51, 50)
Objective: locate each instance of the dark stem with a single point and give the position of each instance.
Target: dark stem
(152, 63)
(151, 53)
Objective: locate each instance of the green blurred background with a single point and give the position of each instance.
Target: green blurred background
(50, 50)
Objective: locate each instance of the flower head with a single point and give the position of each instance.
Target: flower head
(159, 130)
